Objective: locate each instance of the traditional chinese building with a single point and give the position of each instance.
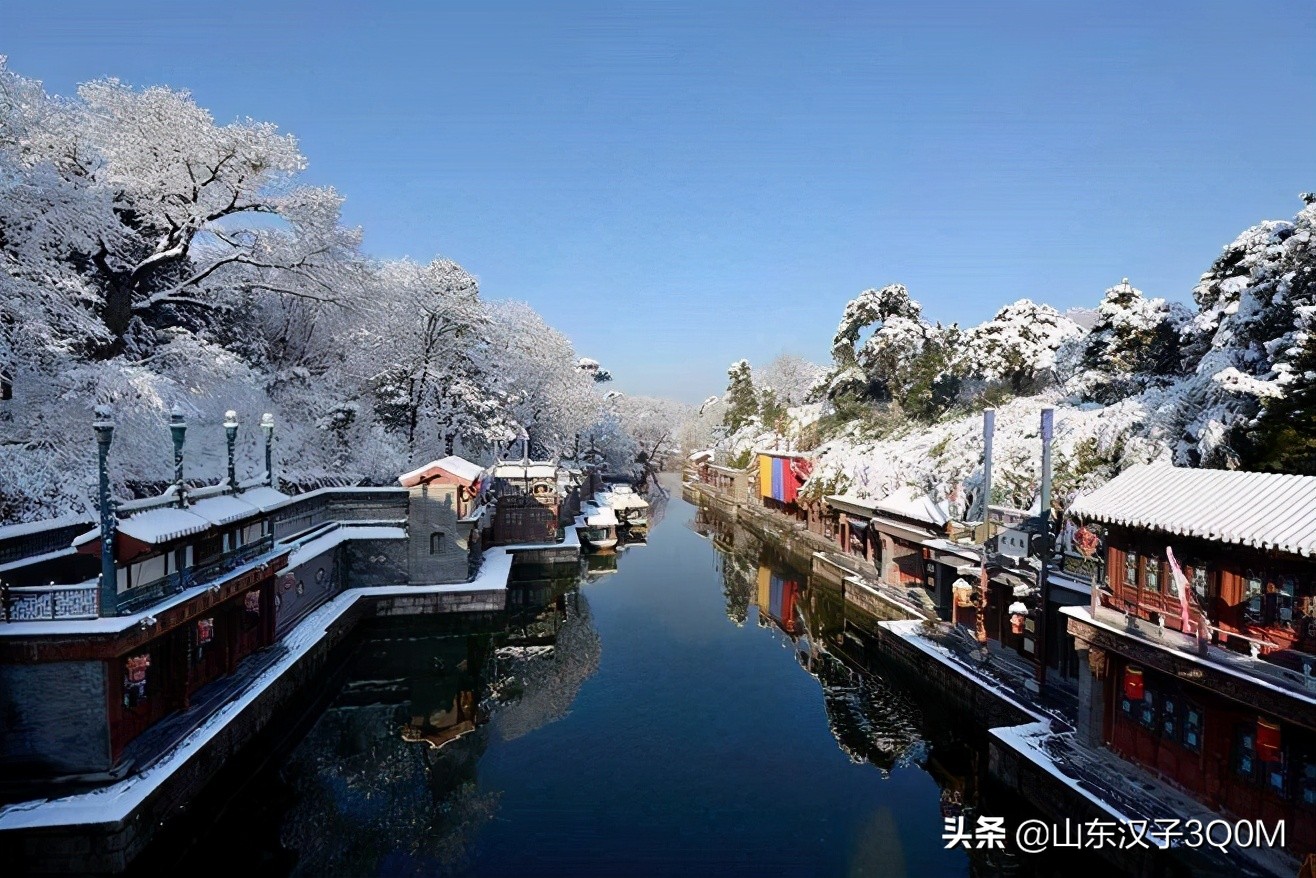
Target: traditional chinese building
(525, 501)
(1201, 647)
(89, 662)
(444, 514)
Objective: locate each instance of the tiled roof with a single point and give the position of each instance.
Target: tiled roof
(1262, 510)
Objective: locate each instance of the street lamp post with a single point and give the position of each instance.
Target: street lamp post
(178, 428)
(109, 582)
(267, 424)
(231, 434)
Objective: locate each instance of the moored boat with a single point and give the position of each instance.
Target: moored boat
(600, 530)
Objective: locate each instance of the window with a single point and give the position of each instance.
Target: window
(1152, 577)
(1131, 569)
(1199, 582)
(436, 542)
(1305, 775)
(1170, 718)
(1191, 728)
(1254, 587)
(1286, 590)
(1147, 713)
(1245, 752)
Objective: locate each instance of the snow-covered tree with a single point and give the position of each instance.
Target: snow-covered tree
(1018, 346)
(790, 379)
(868, 310)
(653, 424)
(741, 398)
(534, 367)
(1134, 343)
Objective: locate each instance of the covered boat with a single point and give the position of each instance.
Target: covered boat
(600, 530)
(631, 509)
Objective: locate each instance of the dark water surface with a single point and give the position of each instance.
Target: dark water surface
(698, 709)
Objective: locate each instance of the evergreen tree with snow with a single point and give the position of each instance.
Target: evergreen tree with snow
(1017, 347)
(742, 400)
(1134, 343)
(870, 309)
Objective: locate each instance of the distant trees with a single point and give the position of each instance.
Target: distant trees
(927, 369)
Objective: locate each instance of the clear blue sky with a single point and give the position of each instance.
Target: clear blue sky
(678, 186)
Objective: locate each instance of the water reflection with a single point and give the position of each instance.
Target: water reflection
(387, 774)
(507, 745)
(873, 721)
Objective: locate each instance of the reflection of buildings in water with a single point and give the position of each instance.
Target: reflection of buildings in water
(536, 676)
(872, 722)
(597, 565)
(777, 597)
(389, 770)
(444, 724)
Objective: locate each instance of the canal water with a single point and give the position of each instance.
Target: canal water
(689, 706)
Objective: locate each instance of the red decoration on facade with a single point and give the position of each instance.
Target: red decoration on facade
(1133, 687)
(134, 679)
(1268, 741)
(205, 631)
(252, 601)
(1086, 541)
(1017, 623)
(137, 666)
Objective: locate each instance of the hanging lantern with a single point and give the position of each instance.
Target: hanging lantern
(1133, 687)
(205, 631)
(1268, 741)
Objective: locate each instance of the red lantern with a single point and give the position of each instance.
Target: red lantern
(1267, 741)
(1133, 683)
(1017, 623)
(205, 631)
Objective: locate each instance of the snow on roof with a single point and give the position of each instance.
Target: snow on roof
(222, 509)
(920, 507)
(156, 526)
(702, 455)
(456, 466)
(525, 471)
(1262, 510)
(12, 531)
(841, 501)
(601, 516)
(773, 453)
(264, 497)
(614, 500)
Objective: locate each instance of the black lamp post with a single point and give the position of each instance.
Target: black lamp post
(109, 584)
(231, 434)
(267, 424)
(178, 428)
